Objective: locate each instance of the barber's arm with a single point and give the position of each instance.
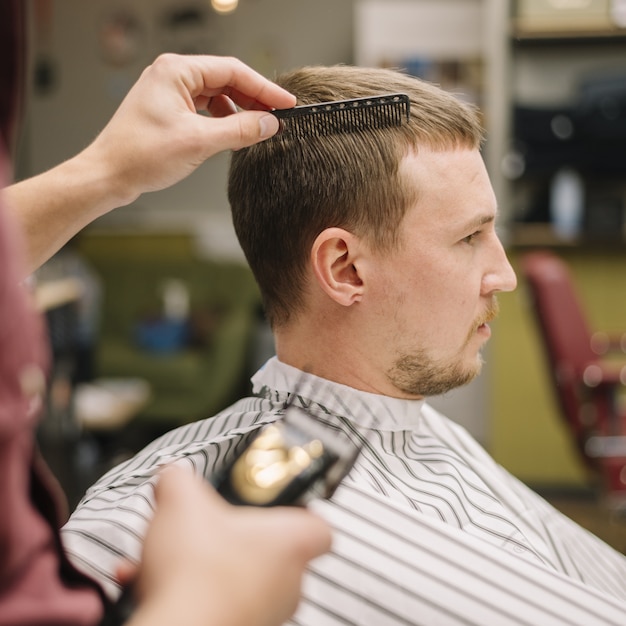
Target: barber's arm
(206, 562)
(155, 139)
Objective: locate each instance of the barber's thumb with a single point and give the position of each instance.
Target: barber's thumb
(242, 129)
(309, 533)
(179, 485)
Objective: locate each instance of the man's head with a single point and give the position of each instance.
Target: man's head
(331, 225)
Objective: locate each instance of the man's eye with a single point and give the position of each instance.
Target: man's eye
(471, 238)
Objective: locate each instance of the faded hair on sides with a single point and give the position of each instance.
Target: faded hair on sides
(283, 192)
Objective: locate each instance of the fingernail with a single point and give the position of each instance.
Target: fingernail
(268, 125)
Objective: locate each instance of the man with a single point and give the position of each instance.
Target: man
(379, 263)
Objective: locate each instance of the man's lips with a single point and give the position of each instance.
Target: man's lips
(484, 330)
(482, 325)
(490, 314)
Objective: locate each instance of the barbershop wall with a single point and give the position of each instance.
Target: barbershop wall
(89, 53)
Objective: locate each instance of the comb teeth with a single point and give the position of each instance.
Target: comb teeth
(343, 116)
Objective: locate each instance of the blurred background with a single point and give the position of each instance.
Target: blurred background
(155, 320)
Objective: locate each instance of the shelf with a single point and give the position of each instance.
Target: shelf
(526, 37)
(541, 234)
(537, 235)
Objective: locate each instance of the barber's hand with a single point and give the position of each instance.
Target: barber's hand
(156, 137)
(207, 562)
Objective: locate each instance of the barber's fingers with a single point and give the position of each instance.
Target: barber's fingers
(243, 130)
(126, 572)
(221, 106)
(309, 534)
(179, 484)
(246, 87)
(304, 532)
(202, 77)
(235, 131)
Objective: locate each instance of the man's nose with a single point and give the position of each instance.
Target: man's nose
(502, 276)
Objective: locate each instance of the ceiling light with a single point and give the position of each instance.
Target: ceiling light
(224, 6)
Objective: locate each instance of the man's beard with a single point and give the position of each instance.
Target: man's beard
(418, 374)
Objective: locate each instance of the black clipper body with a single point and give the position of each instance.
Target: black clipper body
(288, 462)
(281, 466)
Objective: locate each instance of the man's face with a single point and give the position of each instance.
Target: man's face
(436, 293)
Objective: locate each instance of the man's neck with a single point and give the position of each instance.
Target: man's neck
(335, 360)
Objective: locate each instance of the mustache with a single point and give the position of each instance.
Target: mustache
(490, 313)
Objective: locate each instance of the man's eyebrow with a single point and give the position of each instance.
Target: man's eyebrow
(481, 221)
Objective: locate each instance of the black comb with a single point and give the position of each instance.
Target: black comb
(343, 116)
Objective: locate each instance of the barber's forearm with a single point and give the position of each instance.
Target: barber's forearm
(52, 207)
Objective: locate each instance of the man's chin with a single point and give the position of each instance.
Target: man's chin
(439, 386)
(461, 377)
(415, 378)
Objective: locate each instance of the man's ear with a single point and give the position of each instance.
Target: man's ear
(334, 258)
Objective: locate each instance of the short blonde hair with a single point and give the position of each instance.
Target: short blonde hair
(283, 193)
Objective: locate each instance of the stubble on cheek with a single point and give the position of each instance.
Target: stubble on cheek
(418, 373)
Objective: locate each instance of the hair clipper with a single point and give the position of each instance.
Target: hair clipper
(288, 462)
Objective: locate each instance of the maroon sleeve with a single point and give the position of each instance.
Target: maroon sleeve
(12, 67)
(37, 586)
